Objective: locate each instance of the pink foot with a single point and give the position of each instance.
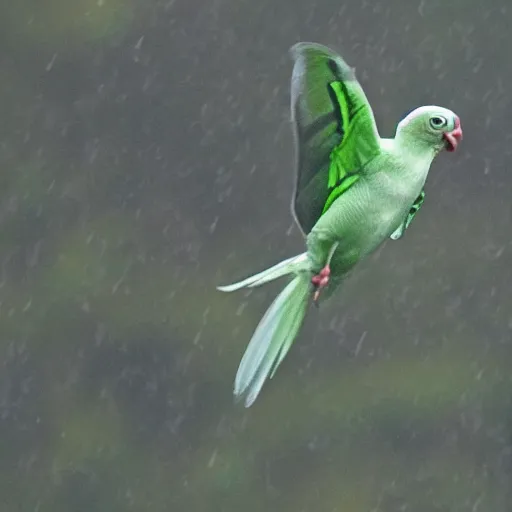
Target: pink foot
(320, 281)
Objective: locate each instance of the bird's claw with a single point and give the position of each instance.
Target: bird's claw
(320, 281)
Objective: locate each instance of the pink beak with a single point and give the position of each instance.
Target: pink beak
(454, 137)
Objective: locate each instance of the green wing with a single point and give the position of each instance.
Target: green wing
(335, 130)
(412, 212)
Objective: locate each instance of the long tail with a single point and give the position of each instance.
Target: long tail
(285, 267)
(277, 329)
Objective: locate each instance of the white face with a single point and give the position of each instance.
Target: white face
(435, 125)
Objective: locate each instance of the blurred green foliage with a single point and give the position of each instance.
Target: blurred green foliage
(146, 157)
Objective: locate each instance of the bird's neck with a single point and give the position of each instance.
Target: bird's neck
(413, 149)
(408, 161)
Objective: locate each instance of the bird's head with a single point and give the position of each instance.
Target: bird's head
(435, 127)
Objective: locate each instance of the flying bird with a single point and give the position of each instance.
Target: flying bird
(353, 190)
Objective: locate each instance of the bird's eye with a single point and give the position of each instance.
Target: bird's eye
(438, 122)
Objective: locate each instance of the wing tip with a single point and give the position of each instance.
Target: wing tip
(301, 49)
(302, 46)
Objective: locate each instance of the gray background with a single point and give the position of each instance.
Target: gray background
(146, 156)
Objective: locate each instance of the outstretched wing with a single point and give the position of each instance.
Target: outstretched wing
(335, 130)
(398, 233)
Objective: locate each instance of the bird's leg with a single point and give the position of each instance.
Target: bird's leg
(321, 280)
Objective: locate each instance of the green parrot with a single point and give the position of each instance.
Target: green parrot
(353, 190)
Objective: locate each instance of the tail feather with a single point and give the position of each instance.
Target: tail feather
(289, 266)
(272, 338)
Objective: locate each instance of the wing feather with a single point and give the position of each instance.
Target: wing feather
(335, 130)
